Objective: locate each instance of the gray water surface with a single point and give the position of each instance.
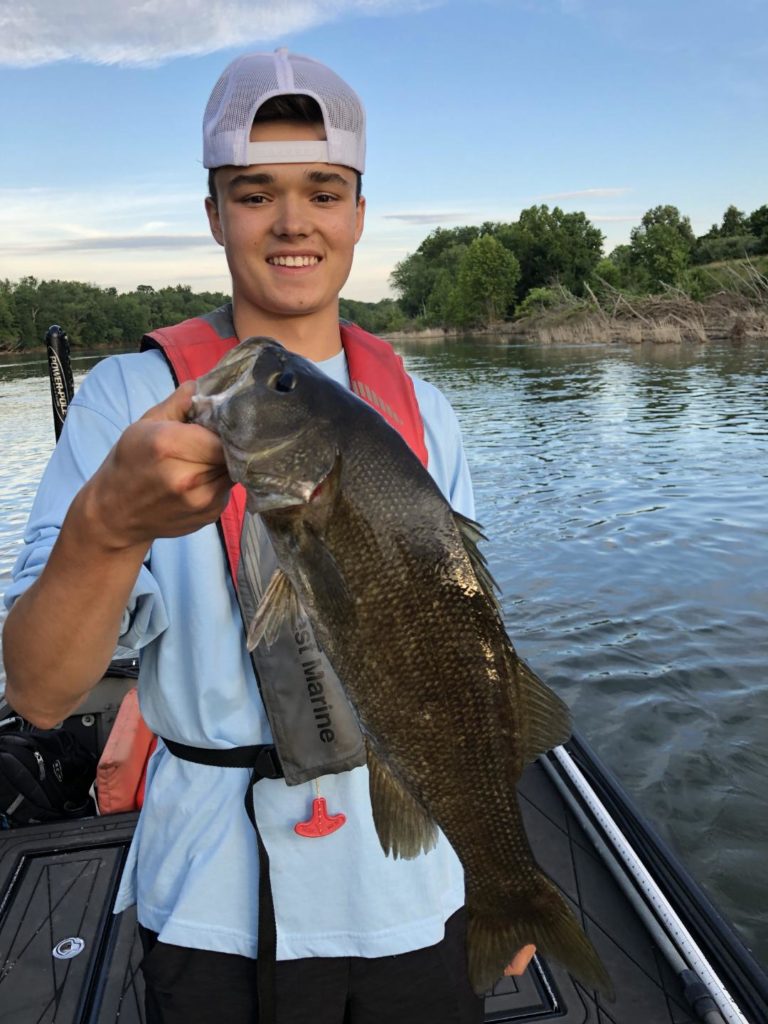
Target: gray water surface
(624, 492)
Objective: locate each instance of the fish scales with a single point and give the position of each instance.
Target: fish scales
(400, 602)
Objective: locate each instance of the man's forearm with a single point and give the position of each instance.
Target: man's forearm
(164, 478)
(61, 634)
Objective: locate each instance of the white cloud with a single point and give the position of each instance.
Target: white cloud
(152, 31)
(610, 219)
(588, 193)
(109, 243)
(425, 218)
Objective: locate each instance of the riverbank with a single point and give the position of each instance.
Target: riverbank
(660, 319)
(673, 318)
(612, 317)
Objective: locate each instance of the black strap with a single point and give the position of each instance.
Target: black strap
(262, 758)
(264, 764)
(267, 952)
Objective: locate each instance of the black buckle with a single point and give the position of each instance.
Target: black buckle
(267, 764)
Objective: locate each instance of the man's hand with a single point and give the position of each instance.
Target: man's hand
(520, 963)
(164, 478)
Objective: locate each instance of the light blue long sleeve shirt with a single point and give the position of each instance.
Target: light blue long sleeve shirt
(193, 865)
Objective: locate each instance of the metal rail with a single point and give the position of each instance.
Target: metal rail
(668, 930)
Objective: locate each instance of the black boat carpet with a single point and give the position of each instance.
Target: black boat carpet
(65, 958)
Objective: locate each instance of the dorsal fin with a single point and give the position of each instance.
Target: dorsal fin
(470, 533)
(545, 719)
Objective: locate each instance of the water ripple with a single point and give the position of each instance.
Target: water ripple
(624, 495)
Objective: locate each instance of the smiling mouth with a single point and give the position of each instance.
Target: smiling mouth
(293, 261)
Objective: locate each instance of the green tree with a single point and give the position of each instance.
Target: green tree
(129, 319)
(734, 223)
(443, 306)
(415, 276)
(662, 245)
(441, 240)
(734, 247)
(757, 222)
(93, 316)
(552, 246)
(413, 279)
(609, 271)
(669, 216)
(26, 306)
(537, 301)
(486, 284)
(377, 317)
(9, 330)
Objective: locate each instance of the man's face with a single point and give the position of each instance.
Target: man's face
(289, 230)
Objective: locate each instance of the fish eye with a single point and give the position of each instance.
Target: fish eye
(283, 381)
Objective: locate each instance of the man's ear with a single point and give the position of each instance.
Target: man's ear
(359, 218)
(214, 220)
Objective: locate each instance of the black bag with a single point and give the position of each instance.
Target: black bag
(45, 775)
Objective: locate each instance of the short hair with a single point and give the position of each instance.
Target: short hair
(294, 107)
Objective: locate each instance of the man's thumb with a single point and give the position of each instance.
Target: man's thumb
(175, 406)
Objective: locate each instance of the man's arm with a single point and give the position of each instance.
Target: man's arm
(163, 478)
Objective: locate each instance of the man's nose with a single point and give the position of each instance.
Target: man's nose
(291, 217)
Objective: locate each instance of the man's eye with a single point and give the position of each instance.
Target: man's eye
(325, 197)
(253, 200)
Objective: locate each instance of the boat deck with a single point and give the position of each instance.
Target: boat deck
(58, 883)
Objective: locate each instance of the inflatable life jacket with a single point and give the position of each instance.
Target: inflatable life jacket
(378, 377)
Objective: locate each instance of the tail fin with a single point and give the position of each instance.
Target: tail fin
(547, 922)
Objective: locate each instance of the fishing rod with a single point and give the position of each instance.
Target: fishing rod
(704, 990)
(59, 374)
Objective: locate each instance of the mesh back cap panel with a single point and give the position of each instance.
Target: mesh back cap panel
(251, 80)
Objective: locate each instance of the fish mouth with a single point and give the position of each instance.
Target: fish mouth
(250, 458)
(204, 411)
(271, 495)
(267, 492)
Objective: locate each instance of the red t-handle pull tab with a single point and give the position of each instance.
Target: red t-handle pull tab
(321, 823)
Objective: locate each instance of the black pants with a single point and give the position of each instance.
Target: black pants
(427, 986)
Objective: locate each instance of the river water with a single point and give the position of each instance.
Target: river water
(624, 492)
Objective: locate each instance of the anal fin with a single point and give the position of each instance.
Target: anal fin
(546, 722)
(403, 826)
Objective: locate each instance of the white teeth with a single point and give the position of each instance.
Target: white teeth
(293, 261)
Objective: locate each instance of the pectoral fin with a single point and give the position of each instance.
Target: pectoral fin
(403, 826)
(279, 604)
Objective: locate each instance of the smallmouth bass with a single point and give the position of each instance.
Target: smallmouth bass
(402, 603)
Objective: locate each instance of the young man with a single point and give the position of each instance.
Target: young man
(122, 553)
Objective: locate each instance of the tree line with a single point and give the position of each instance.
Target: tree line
(474, 276)
(93, 316)
(464, 277)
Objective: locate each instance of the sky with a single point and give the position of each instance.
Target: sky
(476, 109)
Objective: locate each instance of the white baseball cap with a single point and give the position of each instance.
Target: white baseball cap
(251, 80)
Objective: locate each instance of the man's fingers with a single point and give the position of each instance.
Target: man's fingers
(193, 443)
(214, 474)
(175, 406)
(520, 962)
